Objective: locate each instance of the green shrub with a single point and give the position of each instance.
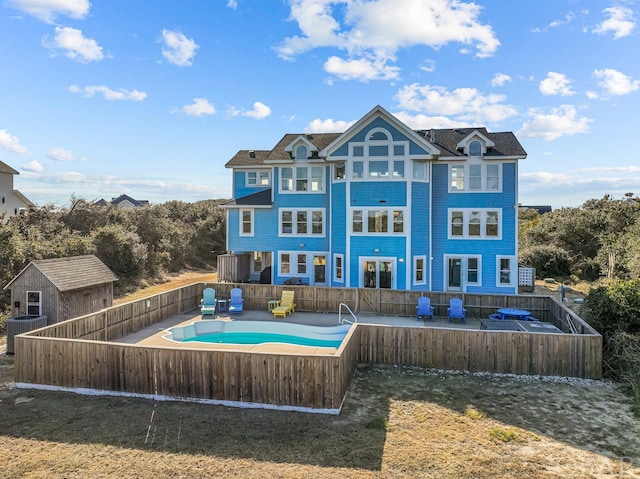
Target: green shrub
(548, 260)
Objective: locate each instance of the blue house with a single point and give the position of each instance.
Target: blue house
(380, 206)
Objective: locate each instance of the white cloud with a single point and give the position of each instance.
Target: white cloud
(76, 46)
(361, 69)
(573, 188)
(33, 166)
(556, 84)
(11, 143)
(60, 154)
(426, 122)
(615, 82)
(500, 79)
(371, 32)
(328, 126)
(591, 95)
(558, 122)
(49, 10)
(568, 18)
(465, 104)
(199, 107)
(260, 111)
(178, 49)
(620, 22)
(232, 4)
(108, 93)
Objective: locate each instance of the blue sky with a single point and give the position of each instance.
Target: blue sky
(152, 98)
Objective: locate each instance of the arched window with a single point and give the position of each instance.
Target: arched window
(378, 136)
(301, 152)
(475, 148)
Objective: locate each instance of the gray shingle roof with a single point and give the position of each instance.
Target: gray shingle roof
(262, 198)
(75, 272)
(446, 140)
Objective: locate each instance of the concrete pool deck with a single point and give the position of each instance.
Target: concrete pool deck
(154, 335)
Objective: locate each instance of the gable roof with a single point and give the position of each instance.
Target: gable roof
(121, 199)
(4, 168)
(378, 111)
(74, 272)
(442, 143)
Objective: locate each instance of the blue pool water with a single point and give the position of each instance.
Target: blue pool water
(261, 338)
(259, 332)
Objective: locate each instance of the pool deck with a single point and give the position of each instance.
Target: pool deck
(154, 335)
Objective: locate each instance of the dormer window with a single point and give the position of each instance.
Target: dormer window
(475, 148)
(302, 153)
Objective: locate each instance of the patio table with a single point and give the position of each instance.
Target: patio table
(514, 313)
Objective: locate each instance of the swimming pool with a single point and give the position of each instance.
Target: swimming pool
(259, 332)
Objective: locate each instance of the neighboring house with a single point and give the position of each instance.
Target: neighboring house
(11, 201)
(381, 206)
(540, 209)
(62, 288)
(122, 201)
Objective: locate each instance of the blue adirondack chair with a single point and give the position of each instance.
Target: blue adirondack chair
(456, 310)
(208, 303)
(424, 307)
(235, 301)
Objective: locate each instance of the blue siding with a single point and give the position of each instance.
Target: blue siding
(378, 193)
(489, 249)
(419, 228)
(240, 189)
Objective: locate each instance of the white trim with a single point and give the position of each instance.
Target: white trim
(465, 223)
(309, 178)
(31, 303)
(336, 257)
(414, 270)
(464, 271)
(294, 223)
(257, 183)
(377, 260)
(406, 226)
(241, 221)
(466, 176)
(513, 273)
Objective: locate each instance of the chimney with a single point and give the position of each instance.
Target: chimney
(432, 135)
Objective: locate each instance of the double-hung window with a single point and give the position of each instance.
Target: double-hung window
(419, 270)
(302, 179)
(258, 178)
(34, 302)
(507, 270)
(481, 223)
(476, 176)
(338, 268)
(246, 222)
(302, 222)
(381, 221)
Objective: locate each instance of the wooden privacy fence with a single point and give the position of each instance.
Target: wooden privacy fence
(80, 353)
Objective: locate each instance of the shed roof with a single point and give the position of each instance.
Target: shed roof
(74, 272)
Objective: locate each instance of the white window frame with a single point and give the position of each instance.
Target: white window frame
(464, 273)
(466, 176)
(293, 181)
(242, 222)
(338, 258)
(416, 281)
(391, 158)
(513, 271)
(294, 261)
(262, 178)
(294, 222)
(466, 213)
(390, 221)
(30, 304)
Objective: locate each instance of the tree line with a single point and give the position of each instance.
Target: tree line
(140, 245)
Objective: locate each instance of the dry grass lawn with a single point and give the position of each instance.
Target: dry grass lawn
(395, 423)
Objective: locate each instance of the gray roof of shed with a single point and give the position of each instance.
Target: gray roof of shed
(74, 272)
